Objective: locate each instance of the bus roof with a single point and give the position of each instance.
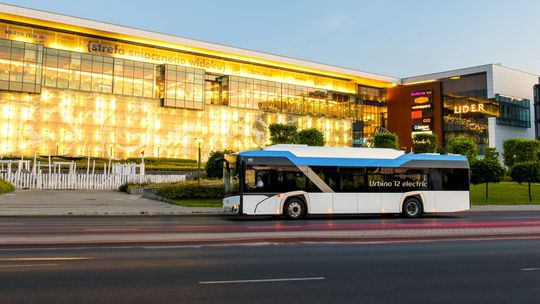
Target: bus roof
(303, 155)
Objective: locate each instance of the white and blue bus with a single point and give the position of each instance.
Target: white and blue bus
(297, 180)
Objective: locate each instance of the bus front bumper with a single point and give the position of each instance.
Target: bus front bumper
(231, 204)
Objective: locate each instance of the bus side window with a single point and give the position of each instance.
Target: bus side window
(435, 177)
(455, 179)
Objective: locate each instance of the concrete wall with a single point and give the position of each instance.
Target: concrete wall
(513, 83)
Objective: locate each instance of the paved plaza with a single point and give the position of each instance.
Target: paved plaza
(87, 202)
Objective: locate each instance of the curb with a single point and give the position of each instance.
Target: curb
(142, 214)
(149, 194)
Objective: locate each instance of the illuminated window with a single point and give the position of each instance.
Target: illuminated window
(20, 66)
(183, 87)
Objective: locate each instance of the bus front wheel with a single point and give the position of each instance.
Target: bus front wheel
(412, 207)
(294, 208)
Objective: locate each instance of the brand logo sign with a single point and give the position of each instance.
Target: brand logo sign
(420, 107)
(97, 47)
(422, 99)
(421, 93)
(474, 108)
(421, 128)
(116, 49)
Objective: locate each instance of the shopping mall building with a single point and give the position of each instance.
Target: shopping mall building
(71, 86)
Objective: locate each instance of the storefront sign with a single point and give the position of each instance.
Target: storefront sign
(422, 99)
(416, 114)
(420, 107)
(421, 128)
(421, 93)
(469, 108)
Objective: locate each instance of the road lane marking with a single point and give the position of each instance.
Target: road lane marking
(27, 265)
(530, 269)
(263, 280)
(48, 259)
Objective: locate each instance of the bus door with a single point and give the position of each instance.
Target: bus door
(320, 194)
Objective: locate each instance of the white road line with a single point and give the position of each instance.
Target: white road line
(27, 265)
(47, 259)
(262, 280)
(530, 269)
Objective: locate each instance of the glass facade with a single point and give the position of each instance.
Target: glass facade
(20, 66)
(181, 87)
(537, 111)
(466, 109)
(76, 95)
(370, 114)
(513, 112)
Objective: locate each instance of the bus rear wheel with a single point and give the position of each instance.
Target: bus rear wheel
(294, 209)
(412, 207)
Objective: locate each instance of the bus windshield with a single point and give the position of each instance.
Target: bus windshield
(231, 174)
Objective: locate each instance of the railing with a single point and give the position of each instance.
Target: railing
(28, 180)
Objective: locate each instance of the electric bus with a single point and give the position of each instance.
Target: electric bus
(298, 180)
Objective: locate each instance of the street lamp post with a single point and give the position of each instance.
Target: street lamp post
(199, 141)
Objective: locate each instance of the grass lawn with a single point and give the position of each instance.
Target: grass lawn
(505, 193)
(200, 202)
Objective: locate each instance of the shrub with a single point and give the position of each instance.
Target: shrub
(6, 187)
(310, 137)
(214, 165)
(425, 143)
(282, 133)
(463, 145)
(123, 187)
(190, 190)
(385, 140)
(126, 187)
(516, 150)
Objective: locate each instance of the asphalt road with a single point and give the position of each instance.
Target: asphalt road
(218, 223)
(439, 272)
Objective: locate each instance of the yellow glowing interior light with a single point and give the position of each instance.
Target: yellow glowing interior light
(420, 82)
(455, 77)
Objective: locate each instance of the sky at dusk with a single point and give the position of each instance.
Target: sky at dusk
(390, 37)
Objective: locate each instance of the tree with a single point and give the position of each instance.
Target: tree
(463, 145)
(282, 133)
(425, 143)
(214, 165)
(385, 140)
(516, 150)
(528, 171)
(310, 137)
(487, 170)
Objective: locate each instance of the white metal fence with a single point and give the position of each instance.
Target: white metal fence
(29, 180)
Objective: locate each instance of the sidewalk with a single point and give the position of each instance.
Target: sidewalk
(504, 208)
(110, 202)
(88, 202)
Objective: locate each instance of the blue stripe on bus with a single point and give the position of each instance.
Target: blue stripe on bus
(353, 162)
